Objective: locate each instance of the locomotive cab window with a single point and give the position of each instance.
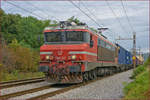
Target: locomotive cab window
(67, 37)
(53, 37)
(74, 36)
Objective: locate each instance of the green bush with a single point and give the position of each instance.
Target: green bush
(140, 85)
(147, 62)
(137, 88)
(138, 70)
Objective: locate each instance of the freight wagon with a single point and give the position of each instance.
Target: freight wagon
(124, 58)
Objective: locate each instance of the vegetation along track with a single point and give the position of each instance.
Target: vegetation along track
(20, 82)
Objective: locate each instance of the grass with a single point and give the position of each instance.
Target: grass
(140, 86)
(16, 75)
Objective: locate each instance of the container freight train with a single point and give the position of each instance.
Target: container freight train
(75, 53)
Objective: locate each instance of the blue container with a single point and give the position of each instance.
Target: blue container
(124, 56)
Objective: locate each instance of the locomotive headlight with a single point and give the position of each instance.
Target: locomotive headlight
(47, 57)
(73, 57)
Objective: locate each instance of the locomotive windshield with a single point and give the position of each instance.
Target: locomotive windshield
(53, 37)
(65, 37)
(74, 36)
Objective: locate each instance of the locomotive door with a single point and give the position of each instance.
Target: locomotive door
(99, 51)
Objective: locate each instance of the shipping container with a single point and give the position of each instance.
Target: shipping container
(124, 56)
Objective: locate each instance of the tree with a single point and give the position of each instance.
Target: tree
(24, 29)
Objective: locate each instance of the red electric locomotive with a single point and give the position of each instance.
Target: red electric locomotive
(75, 53)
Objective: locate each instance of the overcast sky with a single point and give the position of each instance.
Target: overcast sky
(137, 11)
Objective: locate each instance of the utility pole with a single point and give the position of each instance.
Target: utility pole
(140, 51)
(134, 50)
(134, 47)
(0, 43)
(0, 36)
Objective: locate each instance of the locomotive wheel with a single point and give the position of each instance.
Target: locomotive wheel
(85, 76)
(105, 72)
(90, 74)
(110, 71)
(102, 72)
(94, 74)
(115, 70)
(98, 72)
(118, 70)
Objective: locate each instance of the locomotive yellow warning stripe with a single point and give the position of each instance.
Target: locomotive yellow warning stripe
(83, 52)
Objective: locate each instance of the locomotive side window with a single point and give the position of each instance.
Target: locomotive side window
(98, 42)
(108, 46)
(102, 43)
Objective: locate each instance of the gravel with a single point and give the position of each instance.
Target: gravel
(107, 88)
(22, 88)
(27, 96)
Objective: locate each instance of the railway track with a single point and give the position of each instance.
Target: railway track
(24, 92)
(57, 90)
(42, 96)
(20, 82)
(53, 93)
(48, 94)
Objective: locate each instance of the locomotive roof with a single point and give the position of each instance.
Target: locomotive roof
(67, 27)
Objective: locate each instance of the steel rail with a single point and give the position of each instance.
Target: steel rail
(19, 82)
(7, 96)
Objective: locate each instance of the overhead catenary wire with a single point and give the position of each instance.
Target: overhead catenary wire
(115, 16)
(26, 10)
(92, 13)
(131, 26)
(85, 13)
(90, 16)
(97, 18)
(43, 11)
